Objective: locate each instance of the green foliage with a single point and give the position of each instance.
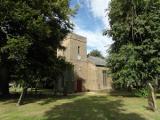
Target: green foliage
(143, 92)
(30, 33)
(134, 57)
(96, 53)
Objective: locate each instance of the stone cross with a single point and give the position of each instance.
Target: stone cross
(151, 98)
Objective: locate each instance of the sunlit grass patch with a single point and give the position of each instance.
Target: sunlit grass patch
(79, 107)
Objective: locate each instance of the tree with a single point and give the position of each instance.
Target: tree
(134, 57)
(30, 33)
(95, 53)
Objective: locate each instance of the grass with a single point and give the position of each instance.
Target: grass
(79, 107)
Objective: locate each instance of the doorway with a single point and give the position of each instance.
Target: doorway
(79, 85)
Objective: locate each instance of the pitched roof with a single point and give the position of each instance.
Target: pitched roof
(97, 61)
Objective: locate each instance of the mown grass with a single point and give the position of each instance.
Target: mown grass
(79, 107)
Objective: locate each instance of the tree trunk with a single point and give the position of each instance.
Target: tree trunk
(5, 88)
(36, 89)
(4, 81)
(20, 100)
(65, 89)
(55, 89)
(65, 93)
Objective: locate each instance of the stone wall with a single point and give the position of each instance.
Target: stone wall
(95, 78)
(72, 42)
(90, 74)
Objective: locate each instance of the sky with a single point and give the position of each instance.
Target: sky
(90, 21)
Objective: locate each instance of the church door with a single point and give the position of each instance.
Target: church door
(79, 85)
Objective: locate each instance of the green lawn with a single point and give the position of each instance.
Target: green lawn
(79, 107)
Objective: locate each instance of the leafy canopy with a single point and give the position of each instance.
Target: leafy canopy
(30, 33)
(96, 53)
(134, 57)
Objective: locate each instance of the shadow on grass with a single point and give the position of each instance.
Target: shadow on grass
(122, 93)
(32, 98)
(91, 108)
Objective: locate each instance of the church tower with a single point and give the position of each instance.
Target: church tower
(75, 48)
(76, 53)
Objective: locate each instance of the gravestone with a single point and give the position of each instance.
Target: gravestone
(151, 98)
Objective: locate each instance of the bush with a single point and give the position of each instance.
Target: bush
(143, 92)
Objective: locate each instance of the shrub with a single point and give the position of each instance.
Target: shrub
(143, 92)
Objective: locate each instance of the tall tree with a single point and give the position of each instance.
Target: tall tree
(95, 53)
(135, 54)
(30, 33)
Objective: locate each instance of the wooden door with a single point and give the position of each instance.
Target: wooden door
(79, 85)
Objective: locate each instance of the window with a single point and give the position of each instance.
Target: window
(79, 57)
(104, 78)
(78, 50)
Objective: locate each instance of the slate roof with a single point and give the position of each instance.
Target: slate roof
(97, 61)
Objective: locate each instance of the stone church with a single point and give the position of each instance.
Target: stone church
(90, 73)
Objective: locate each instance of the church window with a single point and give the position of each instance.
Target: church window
(78, 50)
(104, 77)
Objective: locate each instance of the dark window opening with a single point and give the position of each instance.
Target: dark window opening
(78, 50)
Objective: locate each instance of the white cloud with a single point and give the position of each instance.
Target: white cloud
(95, 39)
(98, 9)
